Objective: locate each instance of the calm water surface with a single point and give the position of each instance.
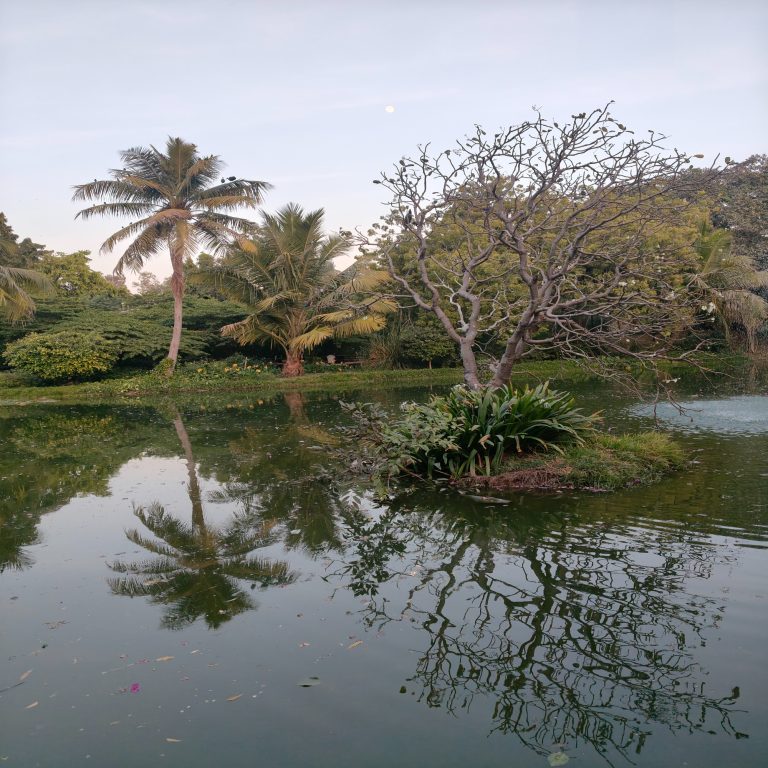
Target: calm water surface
(201, 585)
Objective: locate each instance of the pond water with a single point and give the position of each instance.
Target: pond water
(201, 585)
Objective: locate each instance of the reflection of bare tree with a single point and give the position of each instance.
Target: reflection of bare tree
(198, 569)
(567, 635)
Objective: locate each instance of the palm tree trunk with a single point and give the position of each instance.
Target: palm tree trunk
(177, 287)
(293, 365)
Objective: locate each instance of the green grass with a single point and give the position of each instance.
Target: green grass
(17, 389)
(215, 378)
(604, 462)
(609, 462)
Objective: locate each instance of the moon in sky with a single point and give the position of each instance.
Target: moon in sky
(389, 108)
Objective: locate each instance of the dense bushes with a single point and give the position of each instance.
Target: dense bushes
(61, 356)
(468, 432)
(138, 328)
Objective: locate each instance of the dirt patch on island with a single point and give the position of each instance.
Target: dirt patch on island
(554, 476)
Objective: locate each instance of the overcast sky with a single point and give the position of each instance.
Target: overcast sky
(294, 93)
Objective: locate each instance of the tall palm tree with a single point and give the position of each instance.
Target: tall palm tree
(298, 299)
(176, 203)
(729, 280)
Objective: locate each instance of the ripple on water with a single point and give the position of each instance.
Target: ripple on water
(742, 415)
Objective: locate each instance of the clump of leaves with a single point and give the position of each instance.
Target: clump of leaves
(467, 432)
(55, 357)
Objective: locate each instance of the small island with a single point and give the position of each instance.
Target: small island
(507, 439)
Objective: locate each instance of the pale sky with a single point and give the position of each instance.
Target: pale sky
(294, 93)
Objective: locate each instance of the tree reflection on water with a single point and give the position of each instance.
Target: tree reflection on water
(198, 569)
(568, 632)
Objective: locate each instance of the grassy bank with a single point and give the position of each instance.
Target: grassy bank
(219, 377)
(603, 463)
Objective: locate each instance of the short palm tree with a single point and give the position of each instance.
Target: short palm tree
(298, 299)
(176, 202)
(729, 280)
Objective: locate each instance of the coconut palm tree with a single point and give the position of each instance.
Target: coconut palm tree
(298, 299)
(729, 280)
(176, 202)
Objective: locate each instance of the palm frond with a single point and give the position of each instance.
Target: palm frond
(360, 326)
(115, 209)
(15, 302)
(113, 190)
(311, 338)
(242, 189)
(146, 245)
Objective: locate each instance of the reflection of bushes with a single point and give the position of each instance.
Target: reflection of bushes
(56, 454)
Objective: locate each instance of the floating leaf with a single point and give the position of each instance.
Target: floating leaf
(165, 658)
(558, 758)
(32, 705)
(308, 682)
(235, 697)
(354, 645)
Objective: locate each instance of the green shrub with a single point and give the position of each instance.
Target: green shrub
(61, 356)
(468, 432)
(424, 341)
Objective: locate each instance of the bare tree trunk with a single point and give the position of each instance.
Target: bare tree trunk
(293, 365)
(512, 354)
(177, 286)
(469, 362)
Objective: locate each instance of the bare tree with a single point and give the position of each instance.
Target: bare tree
(543, 236)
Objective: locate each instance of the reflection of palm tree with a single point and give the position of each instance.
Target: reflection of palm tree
(197, 567)
(307, 506)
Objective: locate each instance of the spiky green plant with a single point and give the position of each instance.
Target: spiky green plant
(174, 201)
(297, 298)
(469, 432)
